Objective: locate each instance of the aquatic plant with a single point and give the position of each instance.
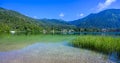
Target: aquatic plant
(104, 44)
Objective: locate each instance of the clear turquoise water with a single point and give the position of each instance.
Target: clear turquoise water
(46, 49)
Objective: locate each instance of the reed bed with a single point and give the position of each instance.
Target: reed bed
(104, 44)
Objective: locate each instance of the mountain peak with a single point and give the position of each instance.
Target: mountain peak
(109, 18)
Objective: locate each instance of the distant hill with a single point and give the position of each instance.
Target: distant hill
(56, 23)
(105, 19)
(12, 20)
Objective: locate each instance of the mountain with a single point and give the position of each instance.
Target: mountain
(105, 19)
(12, 20)
(56, 23)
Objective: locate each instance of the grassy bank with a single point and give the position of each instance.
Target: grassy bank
(103, 44)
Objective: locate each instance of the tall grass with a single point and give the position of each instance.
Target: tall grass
(105, 44)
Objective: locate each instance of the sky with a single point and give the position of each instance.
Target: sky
(67, 10)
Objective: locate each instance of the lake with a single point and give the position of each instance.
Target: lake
(46, 48)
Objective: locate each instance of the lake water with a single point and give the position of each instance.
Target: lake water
(98, 33)
(46, 49)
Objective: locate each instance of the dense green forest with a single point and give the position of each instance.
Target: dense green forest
(14, 21)
(56, 24)
(11, 20)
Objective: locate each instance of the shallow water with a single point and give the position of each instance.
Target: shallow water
(46, 49)
(52, 53)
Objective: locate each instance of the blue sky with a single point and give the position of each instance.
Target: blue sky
(59, 9)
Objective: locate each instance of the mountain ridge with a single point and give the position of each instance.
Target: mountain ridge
(109, 18)
(12, 20)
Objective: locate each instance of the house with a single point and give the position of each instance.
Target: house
(12, 32)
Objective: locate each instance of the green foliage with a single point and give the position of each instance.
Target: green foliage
(56, 24)
(103, 44)
(11, 20)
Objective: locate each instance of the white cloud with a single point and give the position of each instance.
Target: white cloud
(105, 4)
(35, 17)
(81, 15)
(61, 15)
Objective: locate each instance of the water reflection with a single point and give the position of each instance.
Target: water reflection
(99, 33)
(114, 57)
(69, 33)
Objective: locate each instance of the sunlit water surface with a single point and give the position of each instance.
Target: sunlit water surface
(51, 49)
